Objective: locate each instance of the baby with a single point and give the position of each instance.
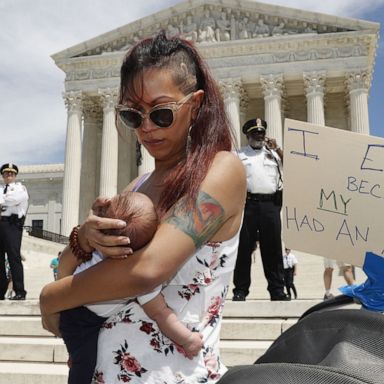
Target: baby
(80, 326)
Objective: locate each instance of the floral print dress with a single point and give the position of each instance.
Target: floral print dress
(131, 347)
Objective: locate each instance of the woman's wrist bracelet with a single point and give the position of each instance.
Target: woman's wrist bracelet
(76, 249)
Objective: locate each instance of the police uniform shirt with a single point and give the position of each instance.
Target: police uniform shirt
(261, 166)
(289, 260)
(14, 201)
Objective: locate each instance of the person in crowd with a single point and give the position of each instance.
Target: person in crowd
(173, 105)
(80, 326)
(14, 205)
(345, 269)
(290, 271)
(55, 265)
(262, 159)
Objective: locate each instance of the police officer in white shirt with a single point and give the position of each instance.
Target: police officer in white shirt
(262, 159)
(14, 205)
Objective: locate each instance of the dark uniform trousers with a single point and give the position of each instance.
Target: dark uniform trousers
(11, 231)
(288, 279)
(261, 222)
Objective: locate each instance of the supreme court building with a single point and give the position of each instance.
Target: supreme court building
(270, 61)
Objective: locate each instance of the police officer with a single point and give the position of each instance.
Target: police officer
(14, 204)
(262, 159)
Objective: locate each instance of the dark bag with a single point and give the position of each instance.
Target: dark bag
(341, 346)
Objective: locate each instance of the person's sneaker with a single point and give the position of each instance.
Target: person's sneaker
(328, 296)
(238, 296)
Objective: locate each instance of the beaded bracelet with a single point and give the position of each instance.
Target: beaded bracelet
(76, 249)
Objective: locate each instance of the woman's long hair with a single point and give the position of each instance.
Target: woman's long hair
(210, 132)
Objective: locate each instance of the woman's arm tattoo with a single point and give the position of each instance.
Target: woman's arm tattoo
(201, 221)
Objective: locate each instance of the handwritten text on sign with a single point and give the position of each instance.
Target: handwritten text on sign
(333, 192)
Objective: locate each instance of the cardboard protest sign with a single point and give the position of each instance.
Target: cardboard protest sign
(333, 200)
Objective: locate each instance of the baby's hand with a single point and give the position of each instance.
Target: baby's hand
(193, 345)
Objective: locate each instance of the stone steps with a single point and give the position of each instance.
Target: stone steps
(29, 354)
(33, 373)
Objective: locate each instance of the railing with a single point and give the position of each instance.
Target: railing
(46, 235)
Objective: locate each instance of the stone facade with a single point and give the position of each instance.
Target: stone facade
(270, 61)
(45, 188)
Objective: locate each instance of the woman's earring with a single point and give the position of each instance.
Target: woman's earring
(189, 140)
(139, 155)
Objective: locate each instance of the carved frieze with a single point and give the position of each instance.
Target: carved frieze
(214, 24)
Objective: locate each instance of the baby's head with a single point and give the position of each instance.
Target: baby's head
(138, 211)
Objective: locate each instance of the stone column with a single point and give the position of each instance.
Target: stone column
(314, 92)
(244, 101)
(109, 144)
(272, 90)
(90, 165)
(231, 92)
(358, 84)
(72, 162)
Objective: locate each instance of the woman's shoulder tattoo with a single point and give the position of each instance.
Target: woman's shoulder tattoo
(200, 221)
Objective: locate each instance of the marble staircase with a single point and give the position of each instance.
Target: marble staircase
(30, 355)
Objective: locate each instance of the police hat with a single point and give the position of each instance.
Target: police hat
(9, 167)
(258, 124)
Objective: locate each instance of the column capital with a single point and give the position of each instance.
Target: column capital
(231, 87)
(108, 97)
(73, 101)
(358, 80)
(244, 101)
(314, 82)
(272, 84)
(92, 110)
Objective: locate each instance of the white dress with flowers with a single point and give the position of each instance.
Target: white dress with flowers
(132, 349)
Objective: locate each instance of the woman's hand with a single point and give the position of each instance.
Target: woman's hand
(91, 237)
(193, 345)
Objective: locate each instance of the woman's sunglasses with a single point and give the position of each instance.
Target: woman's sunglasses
(162, 115)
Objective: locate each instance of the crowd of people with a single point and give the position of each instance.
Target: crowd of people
(139, 291)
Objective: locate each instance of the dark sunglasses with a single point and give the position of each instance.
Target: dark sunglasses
(162, 115)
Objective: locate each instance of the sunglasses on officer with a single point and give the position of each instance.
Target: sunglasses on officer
(162, 115)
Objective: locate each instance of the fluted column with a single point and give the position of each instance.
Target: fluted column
(109, 144)
(231, 91)
(314, 92)
(89, 184)
(272, 90)
(358, 84)
(244, 101)
(72, 162)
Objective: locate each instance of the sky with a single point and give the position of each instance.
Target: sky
(32, 111)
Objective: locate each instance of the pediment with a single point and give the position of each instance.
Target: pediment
(217, 22)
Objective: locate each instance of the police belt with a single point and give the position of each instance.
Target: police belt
(13, 219)
(261, 196)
